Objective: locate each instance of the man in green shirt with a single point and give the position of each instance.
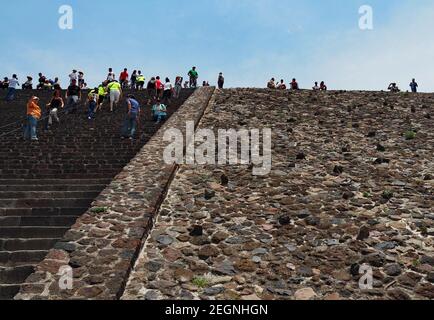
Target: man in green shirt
(193, 77)
(115, 90)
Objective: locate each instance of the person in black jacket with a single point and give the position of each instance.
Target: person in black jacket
(221, 81)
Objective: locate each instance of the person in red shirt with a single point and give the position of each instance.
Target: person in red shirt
(294, 85)
(159, 86)
(123, 78)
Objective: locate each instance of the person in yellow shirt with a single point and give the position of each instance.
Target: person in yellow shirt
(140, 81)
(33, 115)
(102, 94)
(115, 90)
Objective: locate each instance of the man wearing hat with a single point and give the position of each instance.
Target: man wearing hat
(221, 80)
(33, 115)
(28, 85)
(73, 76)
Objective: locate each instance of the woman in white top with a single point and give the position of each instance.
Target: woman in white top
(111, 75)
(13, 85)
(167, 93)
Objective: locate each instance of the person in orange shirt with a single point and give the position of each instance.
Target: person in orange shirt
(33, 115)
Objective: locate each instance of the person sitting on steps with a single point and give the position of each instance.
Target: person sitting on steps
(41, 82)
(282, 85)
(5, 83)
(28, 85)
(271, 84)
(393, 87)
(323, 86)
(159, 112)
(294, 85)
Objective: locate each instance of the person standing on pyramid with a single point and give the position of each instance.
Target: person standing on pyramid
(414, 86)
(221, 81)
(168, 91)
(73, 76)
(178, 87)
(13, 85)
(159, 87)
(193, 77)
(123, 78)
(111, 75)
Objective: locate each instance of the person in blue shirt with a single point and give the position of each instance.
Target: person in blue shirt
(414, 86)
(130, 124)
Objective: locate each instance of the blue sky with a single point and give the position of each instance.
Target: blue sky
(249, 40)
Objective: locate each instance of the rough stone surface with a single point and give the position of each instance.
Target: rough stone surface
(333, 200)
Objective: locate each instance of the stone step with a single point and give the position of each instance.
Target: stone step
(11, 257)
(50, 182)
(53, 221)
(99, 175)
(32, 232)
(46, 203)
(42, 212)
(47, 195)
(49, 188)
(27, 244)
(8, 291)
(15, 275)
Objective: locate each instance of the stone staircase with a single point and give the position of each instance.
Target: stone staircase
(45, 186)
